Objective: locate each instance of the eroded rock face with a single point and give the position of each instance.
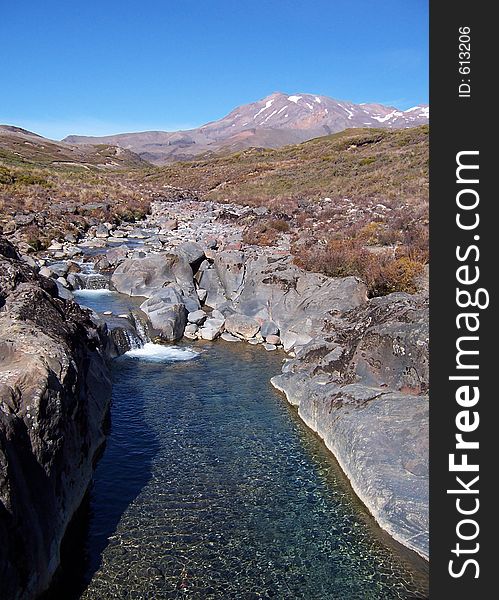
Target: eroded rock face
(54, 399)
(361, 385)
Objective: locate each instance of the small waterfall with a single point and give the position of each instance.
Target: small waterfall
(91, 281)
(88, 278)
(141, 324)
(125, 339)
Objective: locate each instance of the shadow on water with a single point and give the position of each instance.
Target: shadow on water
(129, 453)
(212, 487)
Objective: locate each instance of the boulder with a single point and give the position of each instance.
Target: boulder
(273, 339)
(197, 317)
(63, 292)
(211, 329)
(228, 337)
(242, 326)
(46, 272)
(167, 313)
(144, 276)
(168, 224)
(117, 255)
(101, 231)
(201, 294)
(54, 396)
(59, 269)
(230, 268)
(192, 251)
(216, 314)
(215, 292)
(361, 384)
(269, 328)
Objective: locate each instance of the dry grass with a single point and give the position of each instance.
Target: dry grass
(62, 201)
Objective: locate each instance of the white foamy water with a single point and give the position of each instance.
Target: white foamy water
(159, 353)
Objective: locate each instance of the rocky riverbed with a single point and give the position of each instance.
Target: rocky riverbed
(356, 368)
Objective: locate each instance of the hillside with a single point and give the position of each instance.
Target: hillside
(350, 203)
(49, 189)
(20, 147)
(359, 163)
(274, 121)
(354, 202)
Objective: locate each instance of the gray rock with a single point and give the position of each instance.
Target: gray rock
(269, 328)
(167, 313)
(137, 234)
(193, 252)
(241, 325)
(211, 329)
(119, 233)
(273, 339)
(269, 347)
(197, 317)
(63, 281)
(211, 243)
(70, 237)
(363, 391)
(230, 268)
(201, 294)
(59, 269)
(101, 231)
(228, 337)
(216, 314)
(46, 272)
(55, 396)
(63, 292)
(144, 276)
(168, 224)
(215, 293)
(117, 255)
(190, 328)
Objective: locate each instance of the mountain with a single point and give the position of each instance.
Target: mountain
(274, 121)
(19, 146)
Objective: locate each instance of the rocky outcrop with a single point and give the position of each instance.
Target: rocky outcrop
(362, 385)
(54, 399)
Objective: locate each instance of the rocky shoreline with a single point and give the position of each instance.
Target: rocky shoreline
(54, 400)
(356, 368)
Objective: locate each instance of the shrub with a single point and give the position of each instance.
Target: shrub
(382, 273)
(279, 225)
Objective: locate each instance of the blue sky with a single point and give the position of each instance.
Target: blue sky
(98, 67)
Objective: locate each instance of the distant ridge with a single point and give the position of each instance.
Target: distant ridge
(274, 121)
(20, 146)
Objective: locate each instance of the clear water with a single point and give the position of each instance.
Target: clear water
(104, 300)
(210, 487)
